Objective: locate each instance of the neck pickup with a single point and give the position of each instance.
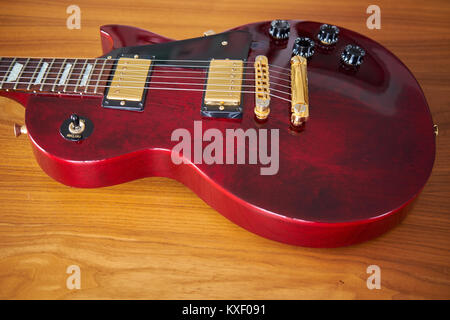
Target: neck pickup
(128, 85)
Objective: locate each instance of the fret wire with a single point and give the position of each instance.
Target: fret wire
(100, 76)
(81, 74)
(90, 76)
(60, 72)
(70, 73)
(20, 74)
(8, 71)
(34, 73)
(46, 74)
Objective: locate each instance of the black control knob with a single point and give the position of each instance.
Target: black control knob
(303, 47)
(353, 55)
(279, 29)
(328, 34)
(75, 120)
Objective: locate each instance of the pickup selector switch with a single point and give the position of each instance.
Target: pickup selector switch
(75, 124)
(279, 29)
(303, 47)
(76, 128)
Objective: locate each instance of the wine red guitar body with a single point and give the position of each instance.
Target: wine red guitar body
(364, 155)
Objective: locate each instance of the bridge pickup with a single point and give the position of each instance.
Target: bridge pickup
(128, 84)
(223, 93)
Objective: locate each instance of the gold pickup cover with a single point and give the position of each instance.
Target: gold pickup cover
(129, 80)
(223, 87)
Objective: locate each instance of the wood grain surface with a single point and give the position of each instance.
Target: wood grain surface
(154, 238)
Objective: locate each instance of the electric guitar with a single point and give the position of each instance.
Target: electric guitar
(301, 132)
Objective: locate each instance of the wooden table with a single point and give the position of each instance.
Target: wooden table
(154, 238)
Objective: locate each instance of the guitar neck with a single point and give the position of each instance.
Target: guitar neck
(55, 75)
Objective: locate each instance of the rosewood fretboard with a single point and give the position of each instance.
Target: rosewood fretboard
(55, 75)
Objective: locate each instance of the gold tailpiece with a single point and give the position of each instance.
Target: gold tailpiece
(299, 91)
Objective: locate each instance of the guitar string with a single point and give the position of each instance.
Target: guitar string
(68, 60)
(208, 61)
(152, 82)
(117, 59)
(151, 88)
(162, 65)
(163, 71)
(154, 71)
(7, 63)
(136, 67)
(181, 71)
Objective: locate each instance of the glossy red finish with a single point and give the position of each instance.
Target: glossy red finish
(364, 156)
(117, 36)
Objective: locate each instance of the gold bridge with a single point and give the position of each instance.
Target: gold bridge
(262, 87)
(299, 91)
(129, 80)
(224, 84)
